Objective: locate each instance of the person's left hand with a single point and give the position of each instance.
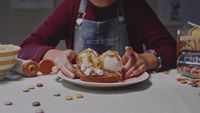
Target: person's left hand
(134, 63)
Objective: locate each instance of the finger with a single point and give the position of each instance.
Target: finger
(70, 54)
(136, 72)
(67, 72)
(69, 66)
(133, 68)
(124, 59)
(139, 70)
(135, 75)
(129, 52)
(129, 72)
(55, 69)
(131, 58)
(60, 73)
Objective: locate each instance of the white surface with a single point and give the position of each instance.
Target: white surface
(160, 94)
(127, 82)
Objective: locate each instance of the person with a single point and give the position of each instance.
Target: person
(128, 26)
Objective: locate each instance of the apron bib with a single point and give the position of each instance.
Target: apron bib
(101, 36)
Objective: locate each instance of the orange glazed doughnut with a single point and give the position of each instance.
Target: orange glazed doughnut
(30, 68)
(45, 66)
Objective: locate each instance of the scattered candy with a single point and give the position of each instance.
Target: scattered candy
(57, 94)
(68, 97)
(36, 103)
(39, 85)
(183, 81)
(198, 82)
(79, 95)
(194, 85)
(8, 103)
(192, 82)
(39, 110)
(179, 79)
(26, 90)
(166, 72)
(31, 87)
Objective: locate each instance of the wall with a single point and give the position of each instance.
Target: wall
(16, 24)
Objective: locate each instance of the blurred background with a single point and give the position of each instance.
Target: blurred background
(20, 17)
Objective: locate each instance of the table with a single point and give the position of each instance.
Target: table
(161, 93)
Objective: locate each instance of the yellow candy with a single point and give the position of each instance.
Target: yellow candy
(198, 82)
(68, 97)
(31, 87)
(183, 81)
(166, 72)
(79, 95)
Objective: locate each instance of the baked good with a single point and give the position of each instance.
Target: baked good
(195, 71)
(45, 66)
(104, 68)
(30, 68)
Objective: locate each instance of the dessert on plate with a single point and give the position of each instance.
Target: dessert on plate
(104, 68)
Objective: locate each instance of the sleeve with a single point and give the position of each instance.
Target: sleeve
(156, 37)
(48, 34)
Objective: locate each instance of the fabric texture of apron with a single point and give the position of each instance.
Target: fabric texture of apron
(101, 36)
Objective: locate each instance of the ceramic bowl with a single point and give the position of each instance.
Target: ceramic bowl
(8, 57)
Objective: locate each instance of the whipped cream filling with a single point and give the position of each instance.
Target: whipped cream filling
(90, 63)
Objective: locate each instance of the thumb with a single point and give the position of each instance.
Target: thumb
(129, 52)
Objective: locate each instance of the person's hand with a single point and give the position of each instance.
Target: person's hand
(63, 61)
(134, 63)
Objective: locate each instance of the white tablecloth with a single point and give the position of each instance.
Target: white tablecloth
(160, 94)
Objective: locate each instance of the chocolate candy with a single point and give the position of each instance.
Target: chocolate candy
(8, 103)
(57, 94)
(36, 103)
(39, 85)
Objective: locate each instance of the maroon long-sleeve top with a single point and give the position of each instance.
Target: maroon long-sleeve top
(142, 24)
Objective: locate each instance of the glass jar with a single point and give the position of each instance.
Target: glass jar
(188, 38)
(188, 64)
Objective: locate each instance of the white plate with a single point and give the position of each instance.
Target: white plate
(127, 82)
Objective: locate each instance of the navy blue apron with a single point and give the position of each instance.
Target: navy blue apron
(101, 36)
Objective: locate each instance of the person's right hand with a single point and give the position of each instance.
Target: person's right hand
(63, 61)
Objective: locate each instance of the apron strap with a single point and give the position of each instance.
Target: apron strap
(82, 8)
(82, 13)
(120, 11)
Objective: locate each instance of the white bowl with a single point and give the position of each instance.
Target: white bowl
(8, 57)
